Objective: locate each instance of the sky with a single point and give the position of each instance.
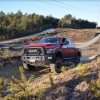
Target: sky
(84, 9)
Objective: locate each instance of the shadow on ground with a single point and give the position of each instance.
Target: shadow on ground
(76, 88)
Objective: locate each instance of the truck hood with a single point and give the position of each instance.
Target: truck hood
(45, 45)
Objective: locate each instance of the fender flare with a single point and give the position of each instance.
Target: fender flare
(58, 51)
(78, 53)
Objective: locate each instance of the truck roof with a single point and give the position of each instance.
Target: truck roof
(56, 37)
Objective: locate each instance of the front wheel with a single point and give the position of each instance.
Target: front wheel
(56, 68)
(28, 67)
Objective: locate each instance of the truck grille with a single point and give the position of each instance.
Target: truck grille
(34, 51)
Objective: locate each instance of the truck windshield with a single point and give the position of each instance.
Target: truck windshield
(49, 40)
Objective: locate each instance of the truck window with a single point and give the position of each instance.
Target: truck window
(70, 42)
(49, 40)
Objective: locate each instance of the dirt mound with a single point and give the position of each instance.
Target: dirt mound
(74, 86)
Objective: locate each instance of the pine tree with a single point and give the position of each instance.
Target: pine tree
(20, 87)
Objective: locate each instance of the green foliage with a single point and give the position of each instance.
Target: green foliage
(2, 86)
(64, 69)
(51, 80)
(15, 25)
(9, 97)
(95, 89)
(20, 87)
(40, 93)
(84, 69)
(5, 54)
(68, 21)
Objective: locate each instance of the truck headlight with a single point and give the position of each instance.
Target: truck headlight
(50, 50)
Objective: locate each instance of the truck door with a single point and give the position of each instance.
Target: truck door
(70, 48)
(65, 48)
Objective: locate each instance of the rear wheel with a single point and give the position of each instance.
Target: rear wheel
(77, 60)
(28, 67)
(56, 68)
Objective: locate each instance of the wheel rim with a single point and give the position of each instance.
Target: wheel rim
(58, 65)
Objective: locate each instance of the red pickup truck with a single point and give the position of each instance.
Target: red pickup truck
(51, 52)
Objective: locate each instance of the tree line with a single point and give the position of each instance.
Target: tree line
(71, 22)
(13, 25)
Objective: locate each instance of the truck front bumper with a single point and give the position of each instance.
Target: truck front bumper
(42, 60)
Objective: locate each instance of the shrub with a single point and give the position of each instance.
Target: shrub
(5, 54)
(64, 69)
(20, 87)
(94, 87)
(84, 69)
(51, 80)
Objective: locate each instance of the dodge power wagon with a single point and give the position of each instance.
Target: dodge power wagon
(51, 52)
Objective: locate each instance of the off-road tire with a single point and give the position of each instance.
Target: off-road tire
(77, 60)
(56, 68)
(28, 67)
